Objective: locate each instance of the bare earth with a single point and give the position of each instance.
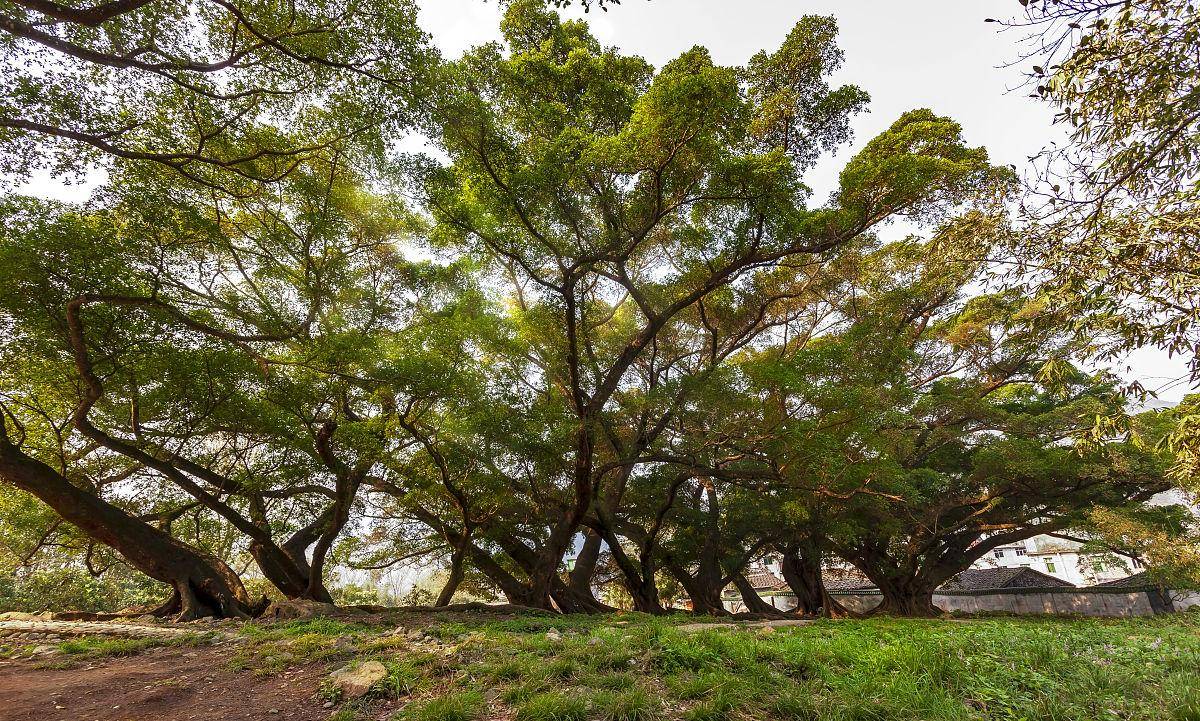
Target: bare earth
(164, 684)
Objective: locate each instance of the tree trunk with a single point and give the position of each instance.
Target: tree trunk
(907, 601)
(705, 596)
(580, 579)
(456, 576)
(637, 579)
(203, 585)
(645, 594)
(569, 600)
(751, 599)
(285, 573)
(514, 591)
(802, 572)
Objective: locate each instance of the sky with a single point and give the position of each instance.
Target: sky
(937, 54)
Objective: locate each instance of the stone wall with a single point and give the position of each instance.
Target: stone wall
(1073, 601)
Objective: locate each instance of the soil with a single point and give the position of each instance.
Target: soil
(164, 684)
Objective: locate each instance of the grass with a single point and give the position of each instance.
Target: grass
(640, 668)
(879, 669)
(464, 706)
(553, 706)
(99, 647)
(73, 652)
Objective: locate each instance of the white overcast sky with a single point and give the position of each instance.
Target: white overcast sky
(938, 54)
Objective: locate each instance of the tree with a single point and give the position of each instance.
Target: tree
(233, 355)
(613, 201)
(1113, 233)
(203, 585)
(227, 93)
(965, 451)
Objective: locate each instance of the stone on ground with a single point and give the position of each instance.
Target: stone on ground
(355, 681)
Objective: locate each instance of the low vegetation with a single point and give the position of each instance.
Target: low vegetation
(640, 668)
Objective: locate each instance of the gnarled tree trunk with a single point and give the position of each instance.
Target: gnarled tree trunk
(802, 572)
(753, 602)
(203, 584)
(457, 557)
(907, 599)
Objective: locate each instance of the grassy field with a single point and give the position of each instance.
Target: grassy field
(633, 668)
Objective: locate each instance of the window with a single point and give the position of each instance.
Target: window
(1049, 566)
(1136, 563)
(1019, 551)
(998, 553)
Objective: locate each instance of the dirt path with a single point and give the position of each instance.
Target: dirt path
(165, 684)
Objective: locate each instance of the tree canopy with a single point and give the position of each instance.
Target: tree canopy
(602, 333)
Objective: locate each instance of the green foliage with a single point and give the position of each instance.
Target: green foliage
(1113, 237)
(607, 301)
(232, 97)
(75, 589)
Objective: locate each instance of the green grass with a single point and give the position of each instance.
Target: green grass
(465, 706)
(640, 668)
(99, 647)
(553, 706)
(634, 704)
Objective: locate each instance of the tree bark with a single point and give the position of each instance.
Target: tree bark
(705, 595)
(802, 572)
(580, 578)
(753, 602)
(907, 600)
(203, 584)
(456, 576)
(637, 579)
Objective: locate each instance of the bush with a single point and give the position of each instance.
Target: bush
(75, 589)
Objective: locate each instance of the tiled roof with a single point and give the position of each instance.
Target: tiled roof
(763, 580)
(985, 579)
(848, 583)
(1137, 580)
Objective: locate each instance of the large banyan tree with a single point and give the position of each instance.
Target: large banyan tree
(606, 319)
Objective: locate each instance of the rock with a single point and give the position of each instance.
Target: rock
(355, 681)
(299, 608)
(553, 635)
(594, 641)
(328, 704)
(18, 616)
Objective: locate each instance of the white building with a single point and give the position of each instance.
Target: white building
(1060, 558)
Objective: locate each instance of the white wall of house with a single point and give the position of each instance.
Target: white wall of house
(1061, 559)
